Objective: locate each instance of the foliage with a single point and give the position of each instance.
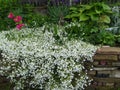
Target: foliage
(58, 2)
(95, 12)
(32, 59)
(63, 2)
(26, 11)
(105, 1)
(115, 24)
(94, 19)
(5, 7)
(57, 13)
(102, 37)
(35, 19)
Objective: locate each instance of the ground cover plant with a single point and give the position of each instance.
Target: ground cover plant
(49, 56)
(33, 59)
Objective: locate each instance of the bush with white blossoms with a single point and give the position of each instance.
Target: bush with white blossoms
(32, 59)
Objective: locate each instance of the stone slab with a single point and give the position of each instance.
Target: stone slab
(108, 64)
(115, 73)
(105, 68)
(116, 64)
(105, 57)
(104, 72)
(108, 50)
(107, 80)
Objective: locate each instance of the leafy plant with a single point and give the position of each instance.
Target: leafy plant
(76, 30)
(115, 24)
(17, 20)
(35, 19)
(94, 19)
(57, 12)
(6, 6)
(95, 12)
(31, 18)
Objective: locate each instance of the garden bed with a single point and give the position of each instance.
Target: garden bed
(33, 59)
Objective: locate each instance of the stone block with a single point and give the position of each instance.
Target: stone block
(108, 50)
(105, 57)
(107, 80)
(115, 74)
(110, 84)
(105, 68)
(116, 64)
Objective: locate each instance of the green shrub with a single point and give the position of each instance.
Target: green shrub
(102, 37)
(57, 13)
(115, 23)
(30, 18)
(94, 13)
(35, 20)
(93, 19)
(6, 6)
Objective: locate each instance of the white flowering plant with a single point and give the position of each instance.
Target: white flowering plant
(32, 59)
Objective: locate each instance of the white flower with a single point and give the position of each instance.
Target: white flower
(32, 56)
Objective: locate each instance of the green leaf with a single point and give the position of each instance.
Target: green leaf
(98, 11)
(105, 19)
(68, 17)
(73, 8)
(84, 17)
(88, 7)
(75, 15)
(94, 18)
(105, 7)
(108, 11)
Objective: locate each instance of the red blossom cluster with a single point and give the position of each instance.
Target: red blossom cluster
(17, 20)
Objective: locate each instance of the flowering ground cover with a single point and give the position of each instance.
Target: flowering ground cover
(48, 52)
(33, 59)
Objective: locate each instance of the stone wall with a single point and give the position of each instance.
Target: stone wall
(106, 69)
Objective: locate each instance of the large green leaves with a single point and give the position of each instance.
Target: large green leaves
(84, 17)
(96, 12)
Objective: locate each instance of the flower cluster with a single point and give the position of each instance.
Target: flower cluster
(36, 61)
(17, 20)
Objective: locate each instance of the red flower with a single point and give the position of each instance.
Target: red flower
(19, 26)
(18, 19)
(11, 15)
